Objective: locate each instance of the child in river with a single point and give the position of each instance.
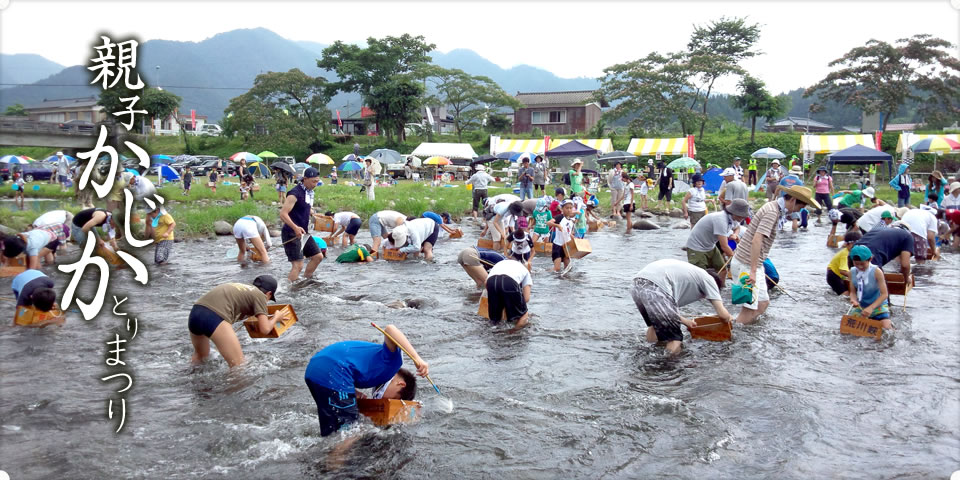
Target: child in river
(868, 287)
(838, 271)
(521, 247)
(563, 226)
(541, 215)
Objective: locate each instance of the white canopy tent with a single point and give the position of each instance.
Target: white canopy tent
(449, 150)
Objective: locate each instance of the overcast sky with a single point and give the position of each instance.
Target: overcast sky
(568, 38)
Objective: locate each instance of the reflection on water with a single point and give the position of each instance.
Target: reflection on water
(579, 393)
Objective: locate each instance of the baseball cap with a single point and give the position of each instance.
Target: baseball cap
(268, 283)
(566, 202)
(728, 172)
(887, 214)
(861, 252)
(311, 172)
(576, 161)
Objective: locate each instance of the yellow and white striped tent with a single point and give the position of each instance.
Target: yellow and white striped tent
(904, 143)
(605, 145)
(833, 143)
(648, 147)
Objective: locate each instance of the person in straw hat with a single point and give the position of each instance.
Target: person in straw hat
(935, 186)
(755, 244)
(952, 201)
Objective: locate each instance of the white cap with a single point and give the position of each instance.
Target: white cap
(481, 168)
(796, 169)
(729, 172)
(868, 192)
(650, 162)
(59, 154)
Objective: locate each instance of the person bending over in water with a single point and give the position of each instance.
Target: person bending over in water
(508, 292)
(477, 262)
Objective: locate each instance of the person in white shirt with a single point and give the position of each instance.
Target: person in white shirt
(628, 206)
(382, 224)
(348, 223)
(508, 292)
(952, 201)
(480, 182)
(252, 228)
(695, 201)
(564, 226)
(521, 247)
(662, 287)
(416, 236)
(923, 225)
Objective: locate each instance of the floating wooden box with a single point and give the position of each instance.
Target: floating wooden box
(255, 255)
(578, 247)
(384, 411)
(593, 226)
(896, 285)
(457, 234)
(485, 243)
(861, 326)
(543, 247)
(833, 241)
(394, 255)
(16, 267)
(712, 328)
(289, 318)
(322, 223)
(31, 317)
(483, 309)
(110, 256)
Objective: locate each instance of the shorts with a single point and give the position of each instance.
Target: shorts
(203, 321)
(353, 226)
(334, 409)
(558, 252)
(63, 178)
(664, 194)
(837, 283)
(432, 239)
(760, 294)
(162, 251)
(920, 247)
(245, 229)
(479, 197)
(52, 246)
(281, 188)
(658, 310)
(78, 235)
(504, 293)
(469, 257)
(880, 313)
(521, 257)
(695, 217)
(712, 259)
(629, 207)
(376, 228)
(293, 250)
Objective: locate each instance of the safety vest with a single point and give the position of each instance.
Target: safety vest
(753, 165)
(873, 169)
(690, 170)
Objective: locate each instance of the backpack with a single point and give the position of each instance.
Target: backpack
(566, 178)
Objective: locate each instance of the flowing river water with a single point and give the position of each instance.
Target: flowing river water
(577, 394)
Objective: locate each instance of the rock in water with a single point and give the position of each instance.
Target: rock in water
(676, 213)
(645, 225)
(222, 228)
(274, 232)
(681, 226)
(644, 214)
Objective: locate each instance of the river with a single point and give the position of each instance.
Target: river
(577, 394)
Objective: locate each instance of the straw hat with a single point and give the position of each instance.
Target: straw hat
(803, 194)
(901, 211)
(796, 169)
(938, 175)
(954, 187)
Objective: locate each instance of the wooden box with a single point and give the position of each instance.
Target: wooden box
(212, 184)
(255, 188)
(483, 309)
(485, 243)
(833, 241)
(289, 318)
(457, 234)
(110, 256)
(255, 255)
(578, 247)
(593, 226)
(384, 411)
(31, 317)
(17, 266)
(394, 255)
(322, 223)
(543, 247)
(861, 326)
(712, 328)
(896, 285)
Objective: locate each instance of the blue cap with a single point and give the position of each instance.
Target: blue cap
(310, 172)
(861, 253)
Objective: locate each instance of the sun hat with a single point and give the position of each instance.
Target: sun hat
(268, 283)
(775, 161)
(481, 168)
(399, 236)
(796, 169)
(938, 175)
(803, 194)
(887, 214)
(59, 154)
(738, 207)
(696, 178)
(576, 161)
(954, 187)
(650, 162)
(861, 253)
(821, 168)
(728, 172)
(869, 192)
(834, 215)
(901, 211)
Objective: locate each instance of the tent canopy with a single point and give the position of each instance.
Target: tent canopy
(860, 155)
(833, 143)
(572, 149)
(605, 145)
(449, 150)
(649, 147)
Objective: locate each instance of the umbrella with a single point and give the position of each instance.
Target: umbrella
(134, 172)
(169, 173)
(350, 166)
(437, 160)
(286, 167)
(506, 155)
(518, 157)
(935, 144)
(768, 153)
(319, 159)
(616, 156)
(350, 158)
(54, 159)
(160, 159)
(13, 160)
(255, 167)
(249, 157)
(415, 162)
(385, 155)
(483, 159)
(300, 167)
(267, 154)
(683, 162)
(183, 158)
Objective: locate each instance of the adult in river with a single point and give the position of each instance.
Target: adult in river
(85, 221)
(295, 214)
(335, 373)
(480, 180)
(707, 244)
(252, 228)
(416, 236)
(755, 243)
(508, 292)
(923, 225)
(382, 224)
(887, 244)
(477, 262)
(732, 188)
(213, 315)
(661, 287)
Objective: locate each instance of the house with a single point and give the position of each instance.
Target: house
(442, 121)
(798, 124)
(66, 109)
(188, 122)
(360, 122)
(560, 113)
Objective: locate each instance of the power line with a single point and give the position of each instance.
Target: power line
(91, 85)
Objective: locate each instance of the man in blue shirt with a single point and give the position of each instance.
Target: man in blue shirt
(335, 373)
(34, 289)
(296, 215)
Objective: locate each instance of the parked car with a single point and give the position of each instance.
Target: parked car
(205, 167)
(288, 160)
(209, 129)
(36, 171)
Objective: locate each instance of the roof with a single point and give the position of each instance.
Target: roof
(571, 98)
(833, 143)
(800, 121)
(900, 127)
(605, 145)
(572, 149)
(449, 150)
(64, 102)
(648, 147)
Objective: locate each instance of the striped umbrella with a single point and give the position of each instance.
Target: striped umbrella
(319, 159)
(249, 157)
(14, 160)
(935, 144)
(437, 160)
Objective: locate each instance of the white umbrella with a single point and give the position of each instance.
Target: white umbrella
(768, 153)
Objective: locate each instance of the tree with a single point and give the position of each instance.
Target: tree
(755, 101)
(388, 66)
(716, 50)
(497, 123)
(880, 77)
(158, 103)
(16, 110)
(470, 97)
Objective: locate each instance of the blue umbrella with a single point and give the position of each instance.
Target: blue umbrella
(506, 155)
(350, 166)
(134, 172)
(519, 156)
(169, 173)
(13, 160)
(54, 159)
(300, 167)
(160, 159)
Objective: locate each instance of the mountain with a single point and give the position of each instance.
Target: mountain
(25, 68)
(522, 78)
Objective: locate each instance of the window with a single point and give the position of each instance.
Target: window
(551, 116)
